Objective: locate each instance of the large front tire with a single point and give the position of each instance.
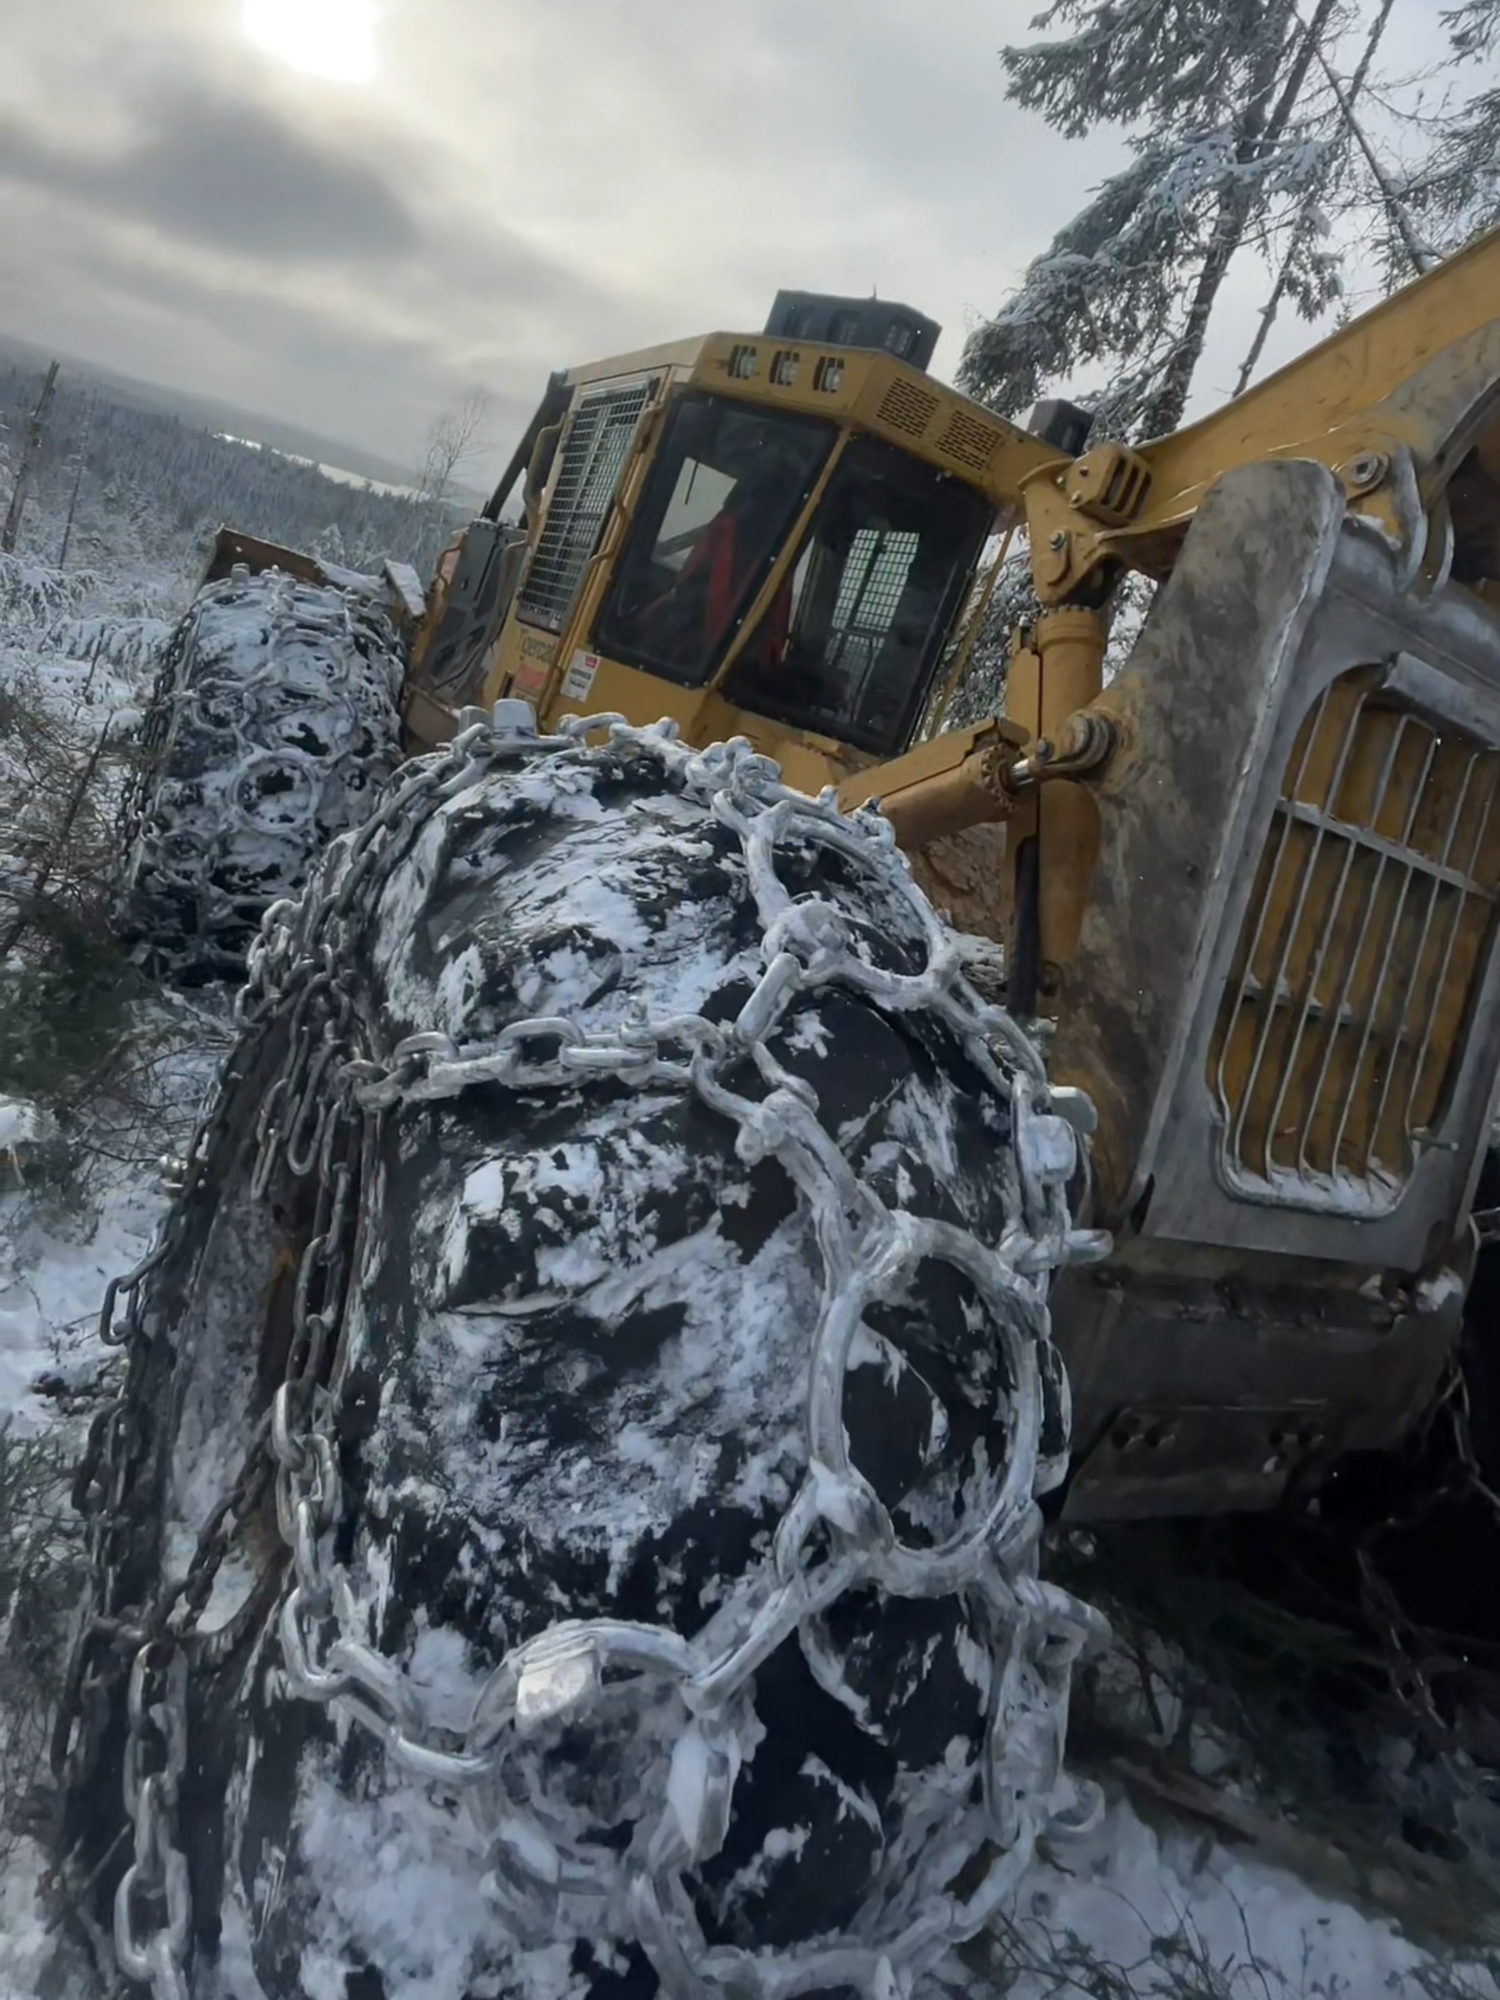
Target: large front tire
(579, 1316)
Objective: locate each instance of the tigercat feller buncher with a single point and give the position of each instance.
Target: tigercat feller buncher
(623, 1233)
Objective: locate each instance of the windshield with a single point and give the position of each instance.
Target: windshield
(723, 495)
(849, 647)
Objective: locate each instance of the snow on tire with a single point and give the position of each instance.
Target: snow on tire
(572, 1356)
(272, 723)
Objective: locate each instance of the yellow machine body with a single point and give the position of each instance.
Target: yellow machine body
(854, 395)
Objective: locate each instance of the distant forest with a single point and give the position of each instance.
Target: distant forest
(176, 484)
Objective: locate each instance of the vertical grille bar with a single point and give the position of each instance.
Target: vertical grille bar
(1461, 907)
(1380, 948)
(1319, 955)
(1243, 997)
(1292, 929)
(592, 457)
(1385, 954)
(1399, 1018)
(1462, 901)
(1335, 1007)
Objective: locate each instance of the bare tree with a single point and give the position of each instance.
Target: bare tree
(1310, 223)
(80, 467)
(36, 431)
(457, 433)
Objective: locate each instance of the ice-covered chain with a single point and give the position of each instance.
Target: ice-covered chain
(867, 1249)
(157, 1708)
(149, 1637)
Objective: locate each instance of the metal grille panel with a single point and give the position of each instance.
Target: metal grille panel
(875, 574)
(592, 457)
(1368, 931)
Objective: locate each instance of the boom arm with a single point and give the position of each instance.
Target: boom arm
(1393, 403)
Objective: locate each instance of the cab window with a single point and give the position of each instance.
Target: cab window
(725, 492)
(851, 651)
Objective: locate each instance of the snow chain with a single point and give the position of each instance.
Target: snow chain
(318, 1116)
(215, 823)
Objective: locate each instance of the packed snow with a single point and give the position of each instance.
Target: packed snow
(53, 1271)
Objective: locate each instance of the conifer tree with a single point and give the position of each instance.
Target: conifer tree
(1211, 92)
(1453, 190)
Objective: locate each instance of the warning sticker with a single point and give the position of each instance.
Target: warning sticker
(579, 679)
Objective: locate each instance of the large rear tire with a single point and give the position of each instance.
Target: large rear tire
(574, 1318)
(272, 723)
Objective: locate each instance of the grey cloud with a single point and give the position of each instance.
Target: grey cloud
(522, 187)
(406, 378)
(334, 366)
(227, 172)
(214, 164)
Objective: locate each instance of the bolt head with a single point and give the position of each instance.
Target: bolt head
(1365, 471)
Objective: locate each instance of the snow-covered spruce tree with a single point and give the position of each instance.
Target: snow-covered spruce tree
(1214, 94)
(1002, 604)
(1244, 134)
(1453, 192)
(328, 546)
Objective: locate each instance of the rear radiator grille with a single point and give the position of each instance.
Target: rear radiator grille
(1369, 929)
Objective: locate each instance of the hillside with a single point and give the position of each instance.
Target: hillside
(208, 413)
(152, 486)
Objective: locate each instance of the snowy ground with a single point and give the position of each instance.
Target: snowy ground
(1182, 1917)
(1136, 1911)
(1130, 1912)
(53, 1270)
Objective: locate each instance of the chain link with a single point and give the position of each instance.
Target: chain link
(142, 1644)
(836, 1535)
(157, 1711)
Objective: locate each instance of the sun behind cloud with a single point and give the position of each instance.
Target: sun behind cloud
(334, 39)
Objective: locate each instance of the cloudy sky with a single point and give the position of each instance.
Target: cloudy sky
(345, 212)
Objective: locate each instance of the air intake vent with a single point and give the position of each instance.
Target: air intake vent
(969, 439)
(906, 408)
(1348, 1003)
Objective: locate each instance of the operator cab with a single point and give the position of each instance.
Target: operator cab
(762, 535)
(847, 646)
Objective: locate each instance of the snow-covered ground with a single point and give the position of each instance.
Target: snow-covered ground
(54, 1267)
(23, 1938)
(76, 653)
(1137, 1909)
(1179, 1916)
